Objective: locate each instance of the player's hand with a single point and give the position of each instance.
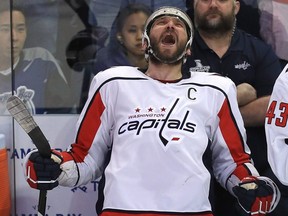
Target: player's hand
(42, 173)
(256, 196)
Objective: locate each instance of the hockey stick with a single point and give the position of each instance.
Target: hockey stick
(20, 113)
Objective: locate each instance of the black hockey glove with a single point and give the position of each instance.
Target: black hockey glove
(256, 196)
(42, 173)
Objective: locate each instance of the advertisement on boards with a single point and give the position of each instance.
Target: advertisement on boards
(61, 201)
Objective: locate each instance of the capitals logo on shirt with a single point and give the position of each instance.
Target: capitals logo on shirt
(243, 66)
(160, 119)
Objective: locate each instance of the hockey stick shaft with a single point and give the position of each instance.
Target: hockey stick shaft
(42, 202)
(20, 113)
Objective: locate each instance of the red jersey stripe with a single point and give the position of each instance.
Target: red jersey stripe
(88, 128)
(232, 135)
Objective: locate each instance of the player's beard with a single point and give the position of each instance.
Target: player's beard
(164, 57)
(223, 25)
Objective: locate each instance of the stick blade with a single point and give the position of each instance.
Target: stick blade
(20, 113)
(18, 110)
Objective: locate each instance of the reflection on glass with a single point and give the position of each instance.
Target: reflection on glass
(37, 78)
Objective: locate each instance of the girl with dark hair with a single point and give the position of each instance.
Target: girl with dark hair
(125, 45)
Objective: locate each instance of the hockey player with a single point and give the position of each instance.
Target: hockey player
(158, 125)
(276, 128)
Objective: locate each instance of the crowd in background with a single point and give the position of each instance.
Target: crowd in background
(75, 31)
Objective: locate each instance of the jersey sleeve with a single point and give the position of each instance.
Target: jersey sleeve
(277, 129)
(231, 154)
(93, 138)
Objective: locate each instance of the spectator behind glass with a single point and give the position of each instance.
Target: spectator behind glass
(247, 18)
(37, 78)
(219, 46)
(125, 45)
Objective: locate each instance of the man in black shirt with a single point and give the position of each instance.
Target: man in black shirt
(219, 46)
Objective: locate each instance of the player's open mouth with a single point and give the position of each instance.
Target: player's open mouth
(168, 40)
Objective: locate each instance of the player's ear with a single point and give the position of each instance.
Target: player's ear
(144, 44)
(188, 52)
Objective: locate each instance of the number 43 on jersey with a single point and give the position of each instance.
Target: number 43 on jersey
(277, 111)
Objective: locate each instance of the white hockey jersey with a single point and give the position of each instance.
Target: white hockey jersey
(277, 128)
(158, 133)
